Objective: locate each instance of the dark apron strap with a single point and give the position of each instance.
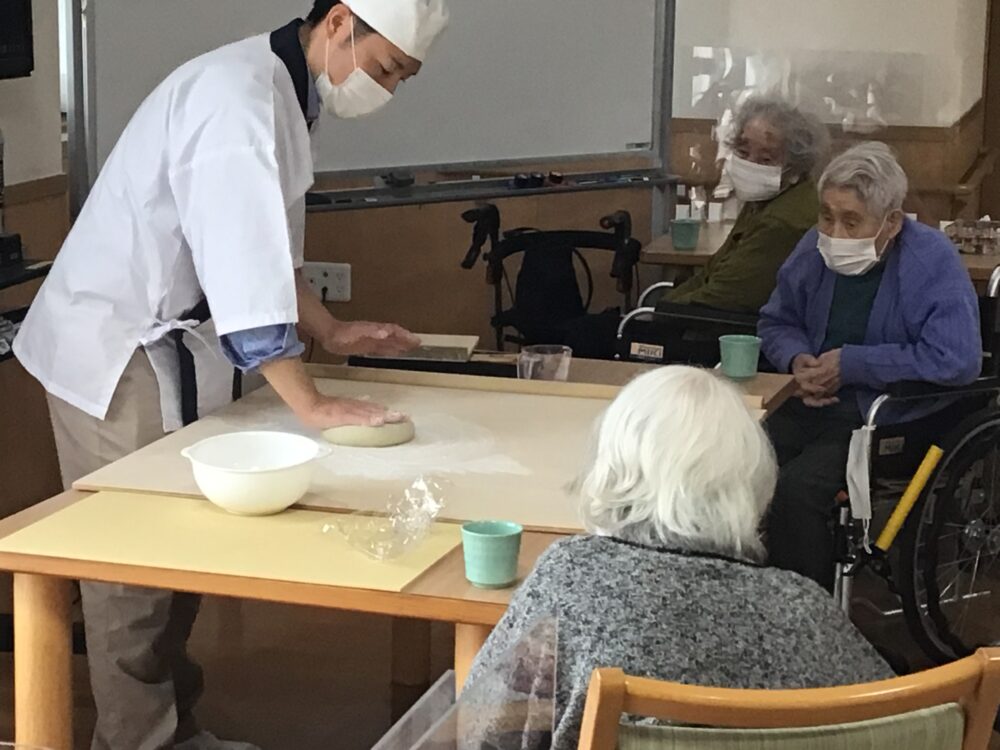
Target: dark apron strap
(186, 368)
(237, 384)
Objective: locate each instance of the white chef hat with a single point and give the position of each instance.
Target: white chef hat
(412, 25)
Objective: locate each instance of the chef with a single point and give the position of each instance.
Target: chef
(183, 268)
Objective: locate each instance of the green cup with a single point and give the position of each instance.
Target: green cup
(491, 549)
(685, 233)
(740, 356)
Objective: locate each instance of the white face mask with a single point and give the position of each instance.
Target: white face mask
(754, 182)
(358, 96)
(850, 257)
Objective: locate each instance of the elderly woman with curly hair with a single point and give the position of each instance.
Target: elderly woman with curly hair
(668, 583)
(776, 151)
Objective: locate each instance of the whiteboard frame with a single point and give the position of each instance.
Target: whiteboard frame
(82, 118)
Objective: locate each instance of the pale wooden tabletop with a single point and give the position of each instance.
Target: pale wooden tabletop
(661, 251)
(439, 593)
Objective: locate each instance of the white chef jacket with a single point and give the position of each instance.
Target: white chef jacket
(203, 196)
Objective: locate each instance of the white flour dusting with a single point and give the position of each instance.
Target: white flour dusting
(443, 445)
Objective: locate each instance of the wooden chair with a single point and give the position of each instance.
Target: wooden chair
(774, 716)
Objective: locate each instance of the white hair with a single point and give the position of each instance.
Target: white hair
(679, 459)
(872, 171)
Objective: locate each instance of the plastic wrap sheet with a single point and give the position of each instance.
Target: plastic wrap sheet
(405, 523)
(512, 707)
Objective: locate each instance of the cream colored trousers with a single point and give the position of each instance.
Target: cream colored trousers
(144, 684)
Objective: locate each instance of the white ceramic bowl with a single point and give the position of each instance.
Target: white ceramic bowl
(254, 473)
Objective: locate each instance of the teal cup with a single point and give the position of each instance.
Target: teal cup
(491, 550)
(685, 233)
(740, 356)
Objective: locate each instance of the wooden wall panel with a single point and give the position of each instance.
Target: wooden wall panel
(935, 159)
(406, 260)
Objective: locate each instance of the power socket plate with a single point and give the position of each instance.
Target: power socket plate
(335, 278)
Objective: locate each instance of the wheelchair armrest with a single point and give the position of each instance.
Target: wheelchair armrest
(913, 391)
(709, 315)
(910, 391)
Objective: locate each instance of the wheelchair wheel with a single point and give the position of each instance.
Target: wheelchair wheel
(949, 564)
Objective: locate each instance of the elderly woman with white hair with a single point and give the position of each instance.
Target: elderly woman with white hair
(868, 299)
(668, 583)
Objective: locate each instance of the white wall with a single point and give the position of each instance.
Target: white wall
(29, 107)
(870, 62)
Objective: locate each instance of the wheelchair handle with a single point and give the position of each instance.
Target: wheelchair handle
(655, 288)
(486, 226)
(993, 288)
(619, 220)
(632, 316)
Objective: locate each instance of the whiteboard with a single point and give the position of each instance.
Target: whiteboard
(510, 80)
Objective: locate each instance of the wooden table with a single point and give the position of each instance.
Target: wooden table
(43, 588)
(43, 596)
(772, 390)
(661, 251)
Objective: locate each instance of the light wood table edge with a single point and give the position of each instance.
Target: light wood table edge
(43, 670)
(783, 395)
(464, 382)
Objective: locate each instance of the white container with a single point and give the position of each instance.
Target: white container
(254, 473)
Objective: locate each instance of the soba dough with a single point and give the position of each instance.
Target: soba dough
(385, 436)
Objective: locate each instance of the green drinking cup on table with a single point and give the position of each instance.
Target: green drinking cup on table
(491, 550)
(685, 233)
(740, 356)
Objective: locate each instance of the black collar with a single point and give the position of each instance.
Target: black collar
(684, 552)
(286, 45)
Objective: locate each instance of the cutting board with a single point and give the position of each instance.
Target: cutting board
(438, 348)
(193, 535)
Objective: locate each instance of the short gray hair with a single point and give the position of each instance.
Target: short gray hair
(678, 458)
(872, 171)
(807, 141)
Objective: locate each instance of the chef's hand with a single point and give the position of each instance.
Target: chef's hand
(292, 382)
(326, 412)
(363, 338)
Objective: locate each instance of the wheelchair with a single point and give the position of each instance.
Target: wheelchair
(932, 487)
(547, 298)
(672, 333)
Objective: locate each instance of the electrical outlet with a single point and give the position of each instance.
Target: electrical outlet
(330, 281)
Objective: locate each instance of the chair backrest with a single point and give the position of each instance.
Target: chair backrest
(547, 295)
(938, 728)
(972, 683)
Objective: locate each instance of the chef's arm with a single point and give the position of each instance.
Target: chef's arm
(296, 387)
(346, 339)
(276, 351)
(314, 318)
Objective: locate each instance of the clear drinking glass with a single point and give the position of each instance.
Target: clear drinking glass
(544, 362)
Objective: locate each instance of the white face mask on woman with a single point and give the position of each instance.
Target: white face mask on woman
(357, 96)
(850, 257)
(754, 182)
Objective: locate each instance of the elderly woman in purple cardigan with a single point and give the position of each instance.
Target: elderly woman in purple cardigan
(867, 299)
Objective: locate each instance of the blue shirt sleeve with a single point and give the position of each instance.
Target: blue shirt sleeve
(249, 349)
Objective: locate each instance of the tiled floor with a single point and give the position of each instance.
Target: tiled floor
(284, 678)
